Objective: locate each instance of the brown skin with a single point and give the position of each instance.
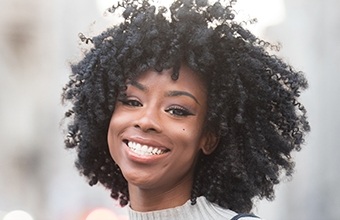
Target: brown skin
(164, 114)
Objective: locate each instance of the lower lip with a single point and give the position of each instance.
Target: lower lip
(146, 159)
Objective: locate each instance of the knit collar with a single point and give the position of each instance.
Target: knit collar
(203, 209)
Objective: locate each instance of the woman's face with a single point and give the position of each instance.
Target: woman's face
(157, 130)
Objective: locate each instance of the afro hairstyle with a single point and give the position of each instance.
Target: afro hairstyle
(253, 96)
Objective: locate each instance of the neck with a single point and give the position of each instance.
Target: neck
(144, 200)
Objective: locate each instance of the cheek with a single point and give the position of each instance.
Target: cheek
(189, 135)
(192, 133)
(110, 140)
(112, 136)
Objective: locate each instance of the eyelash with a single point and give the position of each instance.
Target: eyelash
(177, 111)
(131, 102)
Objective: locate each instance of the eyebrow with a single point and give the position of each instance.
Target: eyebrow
(172, 93)
(138, 85)
(182, 93)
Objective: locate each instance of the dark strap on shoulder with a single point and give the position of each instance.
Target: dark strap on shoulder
(243, 215)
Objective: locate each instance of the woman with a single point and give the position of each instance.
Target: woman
(184, 114)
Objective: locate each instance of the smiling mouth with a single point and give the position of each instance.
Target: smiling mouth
(145, 150)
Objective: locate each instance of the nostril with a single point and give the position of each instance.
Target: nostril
(148, 123)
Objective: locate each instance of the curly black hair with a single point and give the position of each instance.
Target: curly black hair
(252, 97)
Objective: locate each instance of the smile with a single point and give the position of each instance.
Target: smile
(145, 150)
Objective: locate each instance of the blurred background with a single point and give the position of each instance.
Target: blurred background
(38, 39)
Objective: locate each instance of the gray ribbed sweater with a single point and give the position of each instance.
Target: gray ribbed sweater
(202, 210)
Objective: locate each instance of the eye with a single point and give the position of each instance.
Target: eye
(178, 111)
(131, 102)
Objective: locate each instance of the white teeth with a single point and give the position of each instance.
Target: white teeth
(144, 149)
(154, 151)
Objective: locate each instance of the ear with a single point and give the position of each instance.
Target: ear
(210, 143)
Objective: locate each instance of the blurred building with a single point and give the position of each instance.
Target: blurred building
(309, 35)
(39, 38)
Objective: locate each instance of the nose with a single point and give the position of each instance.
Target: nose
(149, 120)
